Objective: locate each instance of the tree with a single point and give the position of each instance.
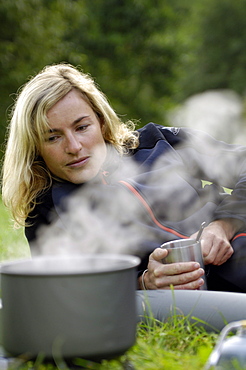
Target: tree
(130, 48)
(31, 37)
(213, 54)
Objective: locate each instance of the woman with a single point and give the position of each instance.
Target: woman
(63, 133)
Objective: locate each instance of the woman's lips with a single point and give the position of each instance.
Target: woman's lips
(78, 162)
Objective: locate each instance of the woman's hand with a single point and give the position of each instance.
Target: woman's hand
(181, 275)
(215, 241)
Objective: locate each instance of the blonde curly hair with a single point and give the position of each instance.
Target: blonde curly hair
(24, 173)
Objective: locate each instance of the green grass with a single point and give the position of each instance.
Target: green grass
(13, 244)
(174, 345)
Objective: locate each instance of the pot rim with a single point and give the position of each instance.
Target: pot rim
(77, 264)
(179, 243)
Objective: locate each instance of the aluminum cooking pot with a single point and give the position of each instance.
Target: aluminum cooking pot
(69, 306)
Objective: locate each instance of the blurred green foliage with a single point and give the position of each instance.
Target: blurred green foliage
(213, 54)
(146, 55)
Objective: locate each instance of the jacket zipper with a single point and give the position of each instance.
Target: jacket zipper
(150, 212)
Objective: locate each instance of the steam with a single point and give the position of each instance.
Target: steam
(111, 219)
(98, 219)
(220, 113)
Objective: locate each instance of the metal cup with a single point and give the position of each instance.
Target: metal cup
(184, 250)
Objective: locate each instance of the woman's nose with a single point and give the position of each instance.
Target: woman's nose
(73, 145)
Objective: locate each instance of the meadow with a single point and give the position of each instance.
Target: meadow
(174, 345)
(13, 244)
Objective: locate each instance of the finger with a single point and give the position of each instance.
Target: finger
(206, 247)
(158, 254)
(177, 280)
(176, 268)
(213, 250)
(194, 285)
(219, 255)
(227, 254)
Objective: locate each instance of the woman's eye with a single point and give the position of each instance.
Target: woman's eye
(52, 138)
(82, 127)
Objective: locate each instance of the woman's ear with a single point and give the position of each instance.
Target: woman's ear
(103, 126)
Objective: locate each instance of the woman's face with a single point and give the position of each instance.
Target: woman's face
(74, 148)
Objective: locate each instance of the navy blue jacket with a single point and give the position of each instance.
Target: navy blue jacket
(167, 187)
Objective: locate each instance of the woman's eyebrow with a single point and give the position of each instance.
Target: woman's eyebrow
(80, 119)
(77, 120)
